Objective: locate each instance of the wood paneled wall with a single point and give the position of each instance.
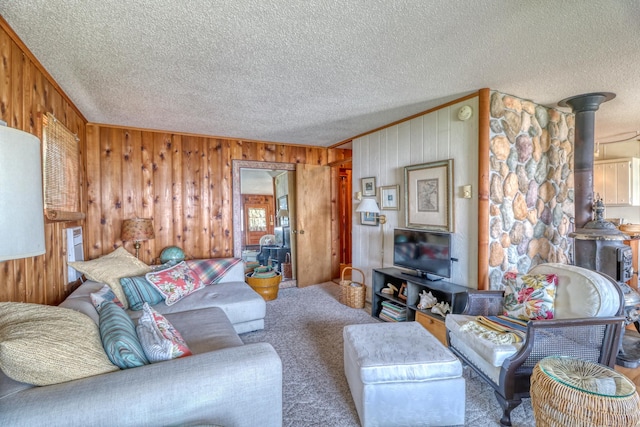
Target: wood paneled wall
(181, 181)
(26, 92)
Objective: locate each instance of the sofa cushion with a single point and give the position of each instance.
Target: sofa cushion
(581, 292)
(494, 353)
(119, 337)
(160, 340)
(138, 291)
(175, 282)
(212, 270)
(45, 345)
(529, 296)
(110, 268)
(239, 302)
(205, 329)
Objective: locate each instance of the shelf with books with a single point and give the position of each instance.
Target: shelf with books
(401, 283)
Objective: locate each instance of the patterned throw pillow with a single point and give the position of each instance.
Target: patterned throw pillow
(119, 337)
(212, 270)
(138, 291)
(109, 268)
(529, 297)
(159, 339)
(103, 295)
(176, 282)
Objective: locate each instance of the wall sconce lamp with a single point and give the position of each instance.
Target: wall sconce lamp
(282, 213)
(137, 230)
(370, 206)
(358, 195)
(21, 203)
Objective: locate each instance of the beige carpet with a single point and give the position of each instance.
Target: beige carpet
(305, 325)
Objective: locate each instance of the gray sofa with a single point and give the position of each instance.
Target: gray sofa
(223, 383)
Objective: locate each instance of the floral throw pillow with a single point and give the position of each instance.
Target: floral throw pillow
(160, 340)
(176, 282)
(529, 297)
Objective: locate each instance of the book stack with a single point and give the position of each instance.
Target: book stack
(392, 312)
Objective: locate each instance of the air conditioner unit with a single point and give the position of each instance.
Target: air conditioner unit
(75, 251)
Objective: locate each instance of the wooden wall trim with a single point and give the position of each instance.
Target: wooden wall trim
(197, 135)
(483, 188)
(7, 28)
(406, 119)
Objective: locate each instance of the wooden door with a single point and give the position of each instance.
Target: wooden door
(258, 218)
(313, 224)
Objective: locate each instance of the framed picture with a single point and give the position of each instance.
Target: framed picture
(389, 198)
(368, 218)
(429, 196)
(368, 186)
(402, 292)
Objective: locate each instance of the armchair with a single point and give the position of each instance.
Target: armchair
(587, 324)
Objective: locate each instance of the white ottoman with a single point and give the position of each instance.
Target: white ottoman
(401, 375)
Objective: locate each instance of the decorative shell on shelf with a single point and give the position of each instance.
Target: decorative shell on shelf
(441, 308)
(389, 290)
(427, 300)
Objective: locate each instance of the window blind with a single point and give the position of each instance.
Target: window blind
(61, 160)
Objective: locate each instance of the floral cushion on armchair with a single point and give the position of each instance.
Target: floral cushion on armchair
(529, 296)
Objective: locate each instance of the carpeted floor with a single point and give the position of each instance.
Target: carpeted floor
(305, 325)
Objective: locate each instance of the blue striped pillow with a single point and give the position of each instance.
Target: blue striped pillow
(138, 290)
(119, 338)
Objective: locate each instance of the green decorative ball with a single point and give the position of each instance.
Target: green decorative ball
(172, 253)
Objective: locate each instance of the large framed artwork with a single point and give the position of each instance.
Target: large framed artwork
(429, 196)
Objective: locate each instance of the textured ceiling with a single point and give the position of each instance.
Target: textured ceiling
(322, 71)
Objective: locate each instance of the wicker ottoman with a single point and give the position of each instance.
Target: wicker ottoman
(399, 375)
(566, 391)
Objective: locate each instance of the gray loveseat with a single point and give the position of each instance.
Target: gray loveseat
(223, 383)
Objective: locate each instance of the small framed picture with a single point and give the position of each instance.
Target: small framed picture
(402, 292)
(369, 186)
(389, 198)
(368, 218)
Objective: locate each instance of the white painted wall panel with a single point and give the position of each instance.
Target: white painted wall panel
(384, 154)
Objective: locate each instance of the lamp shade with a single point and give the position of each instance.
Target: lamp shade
(137, 230)
(283, 213)
(368, 205)
(21, 205)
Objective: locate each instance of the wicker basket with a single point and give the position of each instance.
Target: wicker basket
(352, 293)
(287, 272)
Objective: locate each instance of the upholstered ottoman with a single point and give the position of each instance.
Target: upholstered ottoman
(401, 375)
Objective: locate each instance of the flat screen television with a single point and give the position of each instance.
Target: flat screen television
(428, 253)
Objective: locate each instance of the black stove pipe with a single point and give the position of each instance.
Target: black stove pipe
(584, 107)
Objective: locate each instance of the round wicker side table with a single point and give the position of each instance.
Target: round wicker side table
(566, 391)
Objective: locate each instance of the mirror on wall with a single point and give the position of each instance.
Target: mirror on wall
(262, 215)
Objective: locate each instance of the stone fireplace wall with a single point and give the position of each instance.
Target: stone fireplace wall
(531, 186)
